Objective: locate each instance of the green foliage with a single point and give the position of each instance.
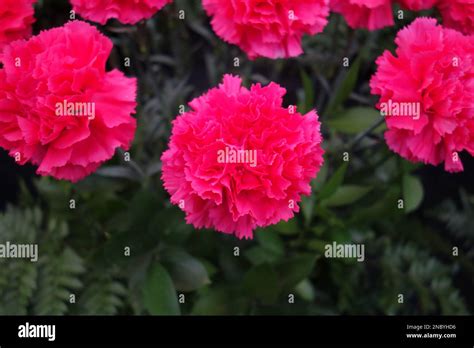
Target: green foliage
(412, 192)
(354, 120)
(57, 279)
(345, 87)
(159, 294)
(47, 284)
(103, 294)
(333, 184)
(187, 272)
(346, 195)
(18, 277)
(424, 282)
(459, 221)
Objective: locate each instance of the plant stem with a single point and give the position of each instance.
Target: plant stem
(367, 132)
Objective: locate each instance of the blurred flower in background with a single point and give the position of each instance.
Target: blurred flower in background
(417, 5)
(369, 14)
(126, 11)
(267, 29)
(16, 19)
(458, 14)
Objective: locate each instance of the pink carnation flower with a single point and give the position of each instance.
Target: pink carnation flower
(239, 160)
(458, 14)
(59, 108)
(417, 5)
(427, 93)
(368, 14)
(267, 28)
(16, 18)
(126, 11)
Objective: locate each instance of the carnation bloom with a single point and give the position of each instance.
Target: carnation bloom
(431, 79)
(16, 18)
(267, 28)
(458, 14)
(59, 108)
(126, 11)
(368, 14)
(239, 160)
(417, 5)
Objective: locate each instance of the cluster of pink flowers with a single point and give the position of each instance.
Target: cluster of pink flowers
(376, 14)
(274, 28)
(239, 159)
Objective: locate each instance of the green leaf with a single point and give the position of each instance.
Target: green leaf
(187, 272)
(136, 228)
(308, 91)
(270, 241)
(294, 269)
(318, 182)
(412, 193)
(103, 295)
(385, 205)
(262, 282)
(318, 245)
(120, 172)
(153, 168)
(159, 294)
(58, 276)
(345, 88)
(212, 302)
(334, 182)
(346, 195)
(210, 268)
(355, 120)
(270, 248)
(202, 30)
(307, 208)
(286, 227)
(306, 290)
(223, 300)
(258, 255)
